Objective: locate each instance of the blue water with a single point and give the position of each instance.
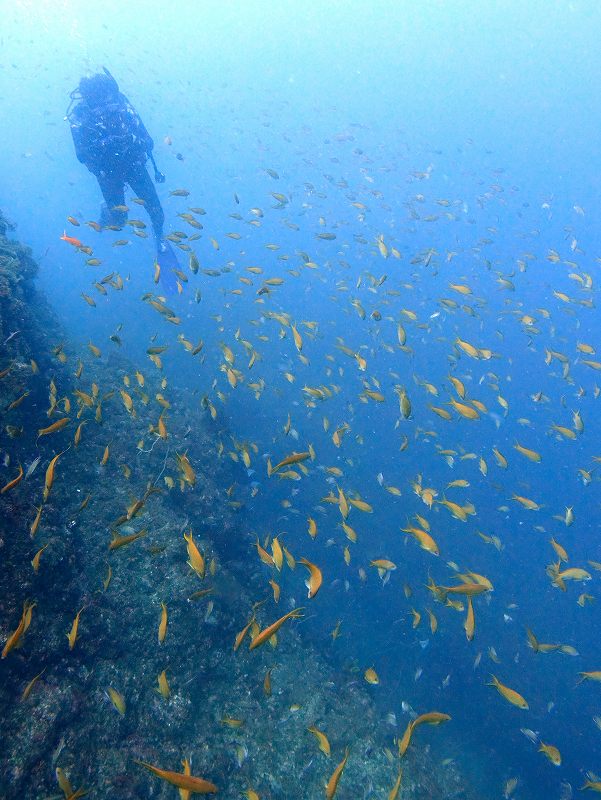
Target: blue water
(395, 107)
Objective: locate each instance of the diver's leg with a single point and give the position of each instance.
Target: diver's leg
(141, 183)
(112, 187)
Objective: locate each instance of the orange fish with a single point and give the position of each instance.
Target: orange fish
(71, 239)
(268, 632)
(335, 777)
(14, 482)
(183, 781)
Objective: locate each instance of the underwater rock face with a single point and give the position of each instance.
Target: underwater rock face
(26, 322)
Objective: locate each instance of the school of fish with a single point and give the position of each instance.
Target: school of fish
(440, 371)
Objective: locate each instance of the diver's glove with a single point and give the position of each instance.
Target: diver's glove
(158, 176)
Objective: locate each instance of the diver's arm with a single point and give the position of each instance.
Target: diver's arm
(83, 151)
(78, 141)
(144, 135)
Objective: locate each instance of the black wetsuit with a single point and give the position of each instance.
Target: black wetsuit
(112, 142)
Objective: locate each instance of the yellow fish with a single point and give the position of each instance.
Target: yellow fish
(383, 565)
(15, 637)
(29, 688)
(269, 631)
(500, 458)
(394, 792)
(277, 553)
(49, 479)
(595, 675)
(332, 784)
(405, 740)
(425, 540)
(551, 752)
(314, 581)
(120, 541)
(189, 782)
(513, 697)
(531, 505)
(35, 562)
(298, 339)
(56, 426)
(371, 676)
(163, 624)
(240, 636)
(195, 558)
(532, 455)
(431, 718)
(72, 635)
(265, 557)
(117, 700)
(470, 621)
(464, 410)
(322, 740)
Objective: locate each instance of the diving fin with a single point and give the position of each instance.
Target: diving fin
(167, 261)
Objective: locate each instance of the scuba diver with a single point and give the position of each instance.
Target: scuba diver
(112, 142)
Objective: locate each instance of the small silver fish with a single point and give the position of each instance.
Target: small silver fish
(32, 467)
(566, 792)
(58, 750)
(11, 336)
(241, 754)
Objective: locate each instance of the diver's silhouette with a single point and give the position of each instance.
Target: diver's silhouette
(113, 143)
